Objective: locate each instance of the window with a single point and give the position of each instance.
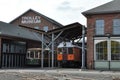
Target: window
(45, 28)
(115, 50)
(6, 47)
(14, 47)
(32, 54)
(65, 50)
(28, 54)
(59, 50)
(101, 51)
(116, 26)
(36, 27)
(70, 50)
(99, 27)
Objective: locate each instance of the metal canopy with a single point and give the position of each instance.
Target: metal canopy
(71, 31)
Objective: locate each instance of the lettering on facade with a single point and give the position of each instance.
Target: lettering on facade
(30, 19)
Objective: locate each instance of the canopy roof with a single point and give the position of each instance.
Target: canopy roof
(71, 31)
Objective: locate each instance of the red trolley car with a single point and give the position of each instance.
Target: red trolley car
(69, 55)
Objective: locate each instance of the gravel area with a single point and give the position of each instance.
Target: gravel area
(61, 74)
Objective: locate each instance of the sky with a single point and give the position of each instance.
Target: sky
(62, 11)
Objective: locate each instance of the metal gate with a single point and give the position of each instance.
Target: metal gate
(12, 60)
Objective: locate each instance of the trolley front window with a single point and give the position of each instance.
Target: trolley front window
(70, 50)
(65, 50)
(59, 50)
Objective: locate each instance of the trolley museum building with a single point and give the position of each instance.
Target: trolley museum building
(33, 32)
(103, 36)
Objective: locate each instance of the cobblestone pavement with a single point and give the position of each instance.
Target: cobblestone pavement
(57, 74)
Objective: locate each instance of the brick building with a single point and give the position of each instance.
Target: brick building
(103, 36)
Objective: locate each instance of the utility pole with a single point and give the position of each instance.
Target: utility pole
(83, 47)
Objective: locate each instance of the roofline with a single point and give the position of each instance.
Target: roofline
(105, 12)
(16, 37)
(56, 23)
(85, 13)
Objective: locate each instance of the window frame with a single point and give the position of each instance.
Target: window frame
(37, 27)
(115, 46)
(97, 31)
(110, 46)
(101, 46)
(116, 30)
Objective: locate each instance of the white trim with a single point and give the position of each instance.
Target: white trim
(94, 51)
(109, 49)
(115, 40)
(115, 37)
(100, 38)
(98, 41)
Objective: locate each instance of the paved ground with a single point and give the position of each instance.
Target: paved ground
(57, 74)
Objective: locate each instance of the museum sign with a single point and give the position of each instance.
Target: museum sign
(30, 19)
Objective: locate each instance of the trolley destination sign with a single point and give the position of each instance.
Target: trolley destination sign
(30, 19)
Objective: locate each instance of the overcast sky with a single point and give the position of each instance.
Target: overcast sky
(63, 11)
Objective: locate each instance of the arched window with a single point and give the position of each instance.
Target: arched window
(115, 50)
(101, 50)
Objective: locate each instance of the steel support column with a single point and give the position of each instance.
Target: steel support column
(42, 55)
(52, 50)
(83, 47)
(49, 59)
